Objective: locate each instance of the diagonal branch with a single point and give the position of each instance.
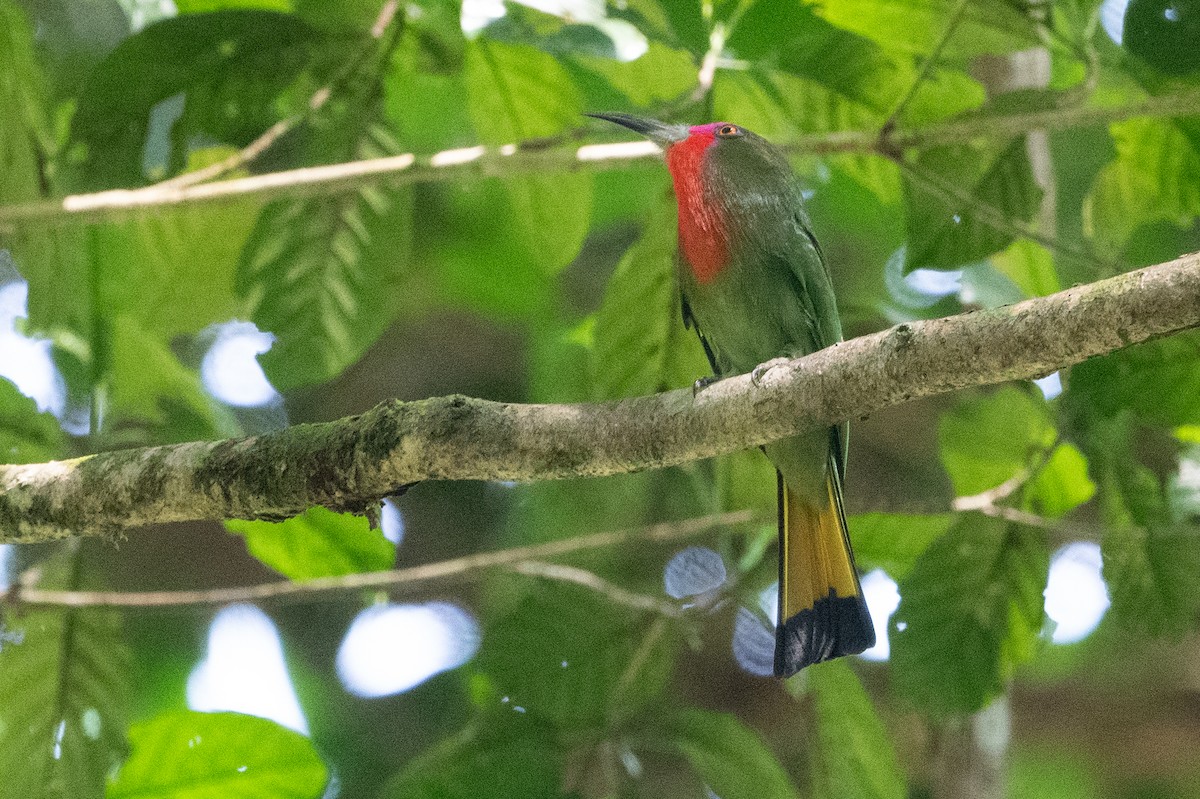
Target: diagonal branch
(352, 463)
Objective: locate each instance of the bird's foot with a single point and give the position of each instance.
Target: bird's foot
(759, 372)
(702, 384)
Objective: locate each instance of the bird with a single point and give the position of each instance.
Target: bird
(755, 286)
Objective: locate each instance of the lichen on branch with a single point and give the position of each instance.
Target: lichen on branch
(353, 463)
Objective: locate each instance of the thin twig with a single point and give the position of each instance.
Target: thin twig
(587, 579)
(928, 65)
(468, 567)
(955, 199)
(511, 159)
(316, 102)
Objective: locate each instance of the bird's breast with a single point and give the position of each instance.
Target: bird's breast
(703, 239)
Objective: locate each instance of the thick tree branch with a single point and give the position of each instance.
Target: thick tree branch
(536, 156)
(354, 462)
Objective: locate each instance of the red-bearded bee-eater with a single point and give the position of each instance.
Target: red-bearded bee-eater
(755, 287)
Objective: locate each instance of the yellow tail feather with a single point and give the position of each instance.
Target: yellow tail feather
(822, 614)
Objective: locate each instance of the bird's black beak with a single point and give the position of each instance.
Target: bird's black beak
(655, 131)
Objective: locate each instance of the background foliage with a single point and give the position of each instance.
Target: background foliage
(555, 285)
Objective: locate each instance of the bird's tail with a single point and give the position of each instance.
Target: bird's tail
(822, 613)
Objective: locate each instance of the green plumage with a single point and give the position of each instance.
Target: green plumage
(755, 286)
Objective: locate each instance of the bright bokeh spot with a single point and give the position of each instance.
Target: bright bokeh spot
(753, 644)
(26, 361)
(393, 648)
(244, 671)
(230, 369)
(936, 283)
(6, 551)
(883, 597)
(693, 571)
(391, 520)
(1112, 17)
(1076, 596)
(1050, 385)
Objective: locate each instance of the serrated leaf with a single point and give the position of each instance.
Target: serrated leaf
(64, 696)
(945, 228)
(1061, 484)
(563, 651)
(186, 755)
(894, 541)
(989, 439)
(1155, 176)
(317, 543)
(509, 758)
(732, 760)
(26, 434)
(517, 93)
(854, 757)
(320, 274)
(1030, 266)
(917, 25)
(970, 612)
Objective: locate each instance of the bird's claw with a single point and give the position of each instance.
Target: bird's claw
(702, 384)
(759, 372)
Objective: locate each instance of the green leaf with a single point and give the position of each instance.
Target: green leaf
(513, 757)
(1062, 483)
(894, 541)
(230, 66)
(1030, 266)
(988, 439)
(732, 760)
(26, 434)
(970, 612)
(186, 755)
(1158, 382)
(1155, 177)
(854, 754)
(953, 203)
(639, 343)
(321, 273)
(792, 37)
(63, 701)
(23, 125)
(657, 76)
(317, 543)
(1150, 558)
(561, 654)
(172, 271)
(917, 25)
(516, 94)
(153, 397)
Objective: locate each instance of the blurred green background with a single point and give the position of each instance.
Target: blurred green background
(958, 154)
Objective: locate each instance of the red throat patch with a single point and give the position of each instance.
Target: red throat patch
(702, 238)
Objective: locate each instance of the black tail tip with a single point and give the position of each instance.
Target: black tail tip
(833, 627)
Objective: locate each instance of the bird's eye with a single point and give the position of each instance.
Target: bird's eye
(729, 131)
